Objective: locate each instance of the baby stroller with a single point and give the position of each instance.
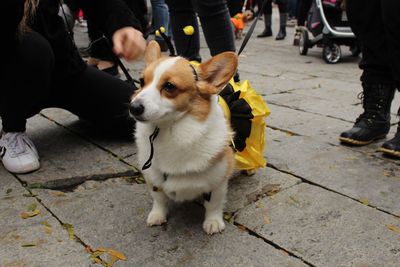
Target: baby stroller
(327, 22)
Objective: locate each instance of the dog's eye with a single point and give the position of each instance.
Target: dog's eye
(169, 87)
(141, 80)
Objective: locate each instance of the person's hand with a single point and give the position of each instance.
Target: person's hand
(128, 43)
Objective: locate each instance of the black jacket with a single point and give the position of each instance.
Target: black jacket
(110, 15)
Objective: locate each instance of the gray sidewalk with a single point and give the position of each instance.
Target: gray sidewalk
(316, 204)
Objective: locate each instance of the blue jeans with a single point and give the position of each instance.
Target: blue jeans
(160, 16)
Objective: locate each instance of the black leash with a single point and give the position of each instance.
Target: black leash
(151, 139)
(253, 25)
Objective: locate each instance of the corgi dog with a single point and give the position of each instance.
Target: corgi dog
(182, 135)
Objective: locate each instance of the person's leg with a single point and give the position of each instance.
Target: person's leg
(216, 24)
(267, 32)
(391, 21)
(26, 82)
(365, 19)
(303, 8)
(282, 5)
(182, 14)
(98, 98)
(161, 19)
(24, 93)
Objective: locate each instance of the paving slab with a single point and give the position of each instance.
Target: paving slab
(66, 159)
(326, 129)
(121, 147)
(112, 214)
(244, 189)
(324, 228)
(37, 241)
(363, 177)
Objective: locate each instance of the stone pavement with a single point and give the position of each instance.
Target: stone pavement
(317, 203)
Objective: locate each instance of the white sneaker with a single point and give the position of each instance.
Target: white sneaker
(18, 153)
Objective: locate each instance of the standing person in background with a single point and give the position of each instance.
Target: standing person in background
(160, 18)
(44, 69)
(267, 32)
(215, 22)
(302, 12)
(377, 25)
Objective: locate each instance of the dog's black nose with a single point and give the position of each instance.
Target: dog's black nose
(136, 108)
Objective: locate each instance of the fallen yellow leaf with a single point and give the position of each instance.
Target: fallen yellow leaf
(70, 230)
(393, 228)
(28, 214)
(266, 220)
(117, 254)
(32, 207)
(364, 201)
(58, 193)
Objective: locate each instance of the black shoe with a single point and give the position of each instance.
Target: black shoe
(266, 33)
(281, 34)
(374, 122)
(392, 147)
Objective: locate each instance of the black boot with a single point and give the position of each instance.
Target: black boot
(281, 34)
(392, 147)
(282, 29)
(374, 122)
(267, 30)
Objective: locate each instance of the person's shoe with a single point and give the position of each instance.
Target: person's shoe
(281, 34)
(374, 122)
(296, 38)
(266, 33)
(18, 153)
(392, 146)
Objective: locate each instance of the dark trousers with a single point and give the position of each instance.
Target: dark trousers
(91, 94)
(302, 11)
(377, 25)
(215, 21)
(282, 6)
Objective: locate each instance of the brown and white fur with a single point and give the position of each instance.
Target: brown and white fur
(192, 147)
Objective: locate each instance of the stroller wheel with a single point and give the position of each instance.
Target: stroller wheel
(304, 42)
(331, 53)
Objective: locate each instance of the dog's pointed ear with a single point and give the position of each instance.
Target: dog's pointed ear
(218, 70)
(152, 52)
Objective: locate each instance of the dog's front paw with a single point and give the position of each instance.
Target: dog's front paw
(156, 218)
(213, 225)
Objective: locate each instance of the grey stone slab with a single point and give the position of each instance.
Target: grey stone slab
(68, 160)
(9, 185)
(26, 242)
(324, 228)
(316, 105)
(121, 147)
(324, 128)
(355, 174)
(244, 189)
(113, 214)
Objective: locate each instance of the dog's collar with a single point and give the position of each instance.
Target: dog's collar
(196, 77)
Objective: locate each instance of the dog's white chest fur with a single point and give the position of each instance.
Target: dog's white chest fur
(184, 153)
